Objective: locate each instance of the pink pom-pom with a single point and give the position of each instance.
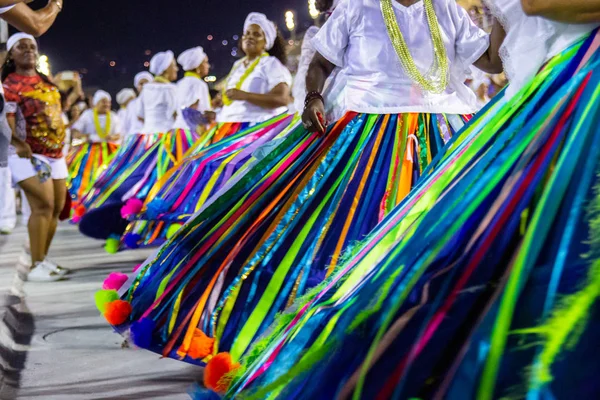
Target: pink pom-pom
(114, 281)
(132, 207)
(76, 219)
(137, 267)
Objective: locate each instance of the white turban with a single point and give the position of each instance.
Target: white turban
(161, 61)
(99, 96)
(192, 58)
(141, 76)
(124, 95)
(14, 39)
(267, 26)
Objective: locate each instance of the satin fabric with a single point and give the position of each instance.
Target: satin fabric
(227, 152)
(145, 160)
(481, 284)
(280, 229)
(86, 162)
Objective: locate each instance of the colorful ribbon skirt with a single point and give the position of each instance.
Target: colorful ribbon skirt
(186, 188)
(482, 284)
(86, 162)
(279, 230)
(145, 159)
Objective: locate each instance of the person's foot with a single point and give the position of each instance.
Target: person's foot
(25, 259)
(57, 268)
(42, 272)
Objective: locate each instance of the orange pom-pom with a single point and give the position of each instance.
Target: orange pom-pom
(117, 312)
(201, 346)
(216, 370)
(79, 211)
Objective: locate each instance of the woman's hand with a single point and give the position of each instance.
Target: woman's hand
(313, 116)
(236, 94)
(23, 149)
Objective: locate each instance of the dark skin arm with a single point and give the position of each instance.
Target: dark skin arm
(278, 97)
(570, 11)
(490, 61)
(35, 23)
(313, 116)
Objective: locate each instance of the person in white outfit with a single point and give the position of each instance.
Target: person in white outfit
(157, 106)
(99, 124)
(192, 91)
(134, 123)
(125, 98)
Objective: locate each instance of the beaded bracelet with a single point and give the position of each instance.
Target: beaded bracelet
(310, 96)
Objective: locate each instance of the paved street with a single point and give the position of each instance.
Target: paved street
(54, 345)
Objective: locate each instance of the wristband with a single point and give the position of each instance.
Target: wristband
(314, 95)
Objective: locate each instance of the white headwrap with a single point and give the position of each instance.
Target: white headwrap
(192, 58)
(161, 61)
(124, 95)
(267, 26)
(140, 76)
(14, 39)
(99, 96)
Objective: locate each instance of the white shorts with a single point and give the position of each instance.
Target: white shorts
(22, 168)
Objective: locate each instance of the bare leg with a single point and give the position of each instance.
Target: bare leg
(41, 199)
(60, 193)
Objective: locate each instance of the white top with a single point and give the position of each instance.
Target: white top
(333, 91)
(269, 73)
(133, 123)
(85, 125)
(306, 55)
(67, 145)
(5, 9)
(157, 107)
(122, 114)
(355, 38)
(191, 90)
(522, 59)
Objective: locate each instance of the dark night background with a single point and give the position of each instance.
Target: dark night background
(89, 34)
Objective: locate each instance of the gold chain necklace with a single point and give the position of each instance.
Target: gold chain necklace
(437, 76)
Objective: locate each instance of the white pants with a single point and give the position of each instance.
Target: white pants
(8, 215)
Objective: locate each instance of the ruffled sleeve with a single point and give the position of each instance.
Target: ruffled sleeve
(521, 58)
(471, 41)
(332, 39)
(276, 73)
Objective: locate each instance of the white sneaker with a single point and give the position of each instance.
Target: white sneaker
(42, 272)
(57, 268)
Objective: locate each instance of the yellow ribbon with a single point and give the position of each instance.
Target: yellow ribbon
(226, 100)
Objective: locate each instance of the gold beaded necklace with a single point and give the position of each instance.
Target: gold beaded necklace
(102, 133)
(437, 76)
